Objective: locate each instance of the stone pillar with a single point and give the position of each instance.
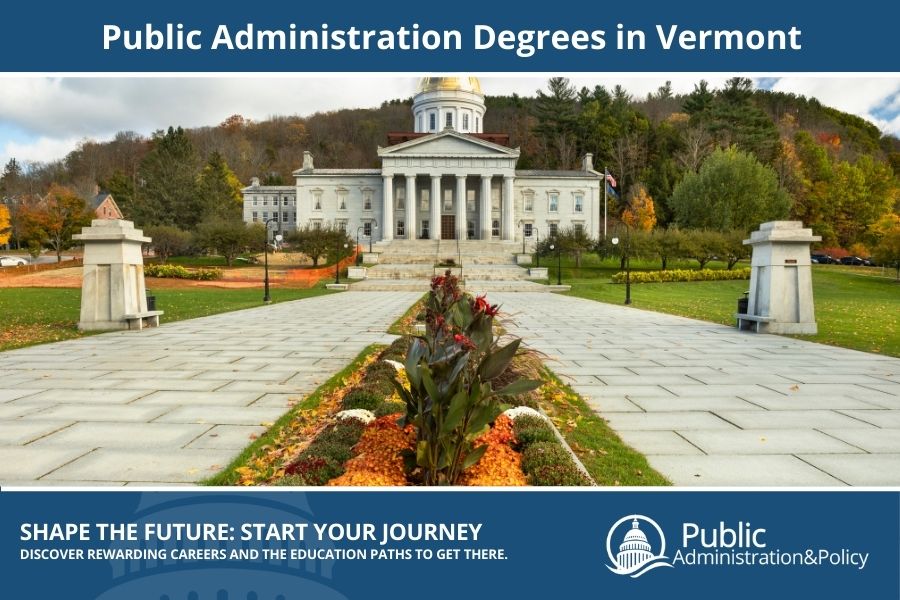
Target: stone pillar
(486, 207)
(436, 207)
(387, 209)
(113, 284)
(461, 225)
(781, 296)
(509, 232)
(411, 201)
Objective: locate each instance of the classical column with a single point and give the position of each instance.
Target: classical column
(509, 232)
(411, 201)
(387, 208)
(461, 225)
(485, 207)
(436, 207)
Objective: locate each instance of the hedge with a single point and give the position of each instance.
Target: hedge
(179, 272)
(683, 275)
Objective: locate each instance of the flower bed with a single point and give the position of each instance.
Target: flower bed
(676, 275)
(179, 272)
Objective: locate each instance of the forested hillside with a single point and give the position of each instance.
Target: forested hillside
(839, 173)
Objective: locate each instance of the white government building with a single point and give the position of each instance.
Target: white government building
(447, 180)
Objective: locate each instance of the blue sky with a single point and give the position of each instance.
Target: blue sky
(42, 119)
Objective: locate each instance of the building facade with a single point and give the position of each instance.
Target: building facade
(446, 179)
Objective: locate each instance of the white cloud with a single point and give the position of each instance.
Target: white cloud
(54, 113)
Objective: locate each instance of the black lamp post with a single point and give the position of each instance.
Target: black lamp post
(358, 255)
(537, 246)
(558, 249)
(626, 253)
(337, 264)
(372, 234)
(266, 298)
(522, 223)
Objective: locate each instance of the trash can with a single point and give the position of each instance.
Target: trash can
(151, 302)
(743, 304)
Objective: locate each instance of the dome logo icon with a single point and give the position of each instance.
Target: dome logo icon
(635, 554)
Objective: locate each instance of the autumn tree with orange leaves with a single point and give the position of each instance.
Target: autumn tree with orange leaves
(54, 220)
(640, 212)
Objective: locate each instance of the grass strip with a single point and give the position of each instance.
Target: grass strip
(230, 475)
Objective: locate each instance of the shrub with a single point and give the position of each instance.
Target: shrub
(179, 272)
(311, 470)
(329, 448)
(390, 407)
(559, 474)
(531, 430)
(346, 432)
(542, 454)
(677, 275)
(360, 397)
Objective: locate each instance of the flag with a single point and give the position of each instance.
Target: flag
(611, 180)
(611, 191)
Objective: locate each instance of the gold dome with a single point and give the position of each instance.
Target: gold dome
(444, 84)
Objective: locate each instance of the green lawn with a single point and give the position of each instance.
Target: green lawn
(855, 307)
(38, 315)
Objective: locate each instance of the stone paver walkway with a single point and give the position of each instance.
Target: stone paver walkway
(712, 406)
(174, 404)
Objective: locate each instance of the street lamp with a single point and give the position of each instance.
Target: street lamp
(266, 298)
(558, 249)
(358, 255)
(537, 246)
(522, 223)
(626, 252)
(372, 234)
(337, 264)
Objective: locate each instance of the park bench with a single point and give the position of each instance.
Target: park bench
(149, 318)
(745, 321)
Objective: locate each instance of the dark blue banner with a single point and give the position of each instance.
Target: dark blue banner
(266, 545)
(273, 36)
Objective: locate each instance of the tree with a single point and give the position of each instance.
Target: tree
(887, 252)
(121, 186)
(732, 190)
(219, 190)
(640, 212)
(556, 114)
(666, 243)
(168, 241)
(227, 237)
(5, 227)
(733, 249)
(55, 220)
(316, 242)
(702, 245)
(168, 185)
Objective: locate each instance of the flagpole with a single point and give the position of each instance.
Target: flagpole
(605, 176)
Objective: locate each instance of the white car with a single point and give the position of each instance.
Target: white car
(12, 261)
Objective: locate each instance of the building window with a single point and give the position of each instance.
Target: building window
(432, 121)
(401, 228)
(367, 229)
(495, 228)
(470, 230)
(342, 200)
(448, 200)
(317, 224)
(529, 229)
(554, 202)
(465, 122)
(265, 215)
(579, 203)
(255, 216)
(495, 198)
(367, 199)
(342, 225)
(578, 227)
(400, 193)
(528, 202)
(554, 229)
(470, 201)
(284, 201)
(426, 229)
(419, 122)
(265, 200)
(448, 120)
(477, 122)
(317, 200)
(284, 217)
(254, 200)
(424, 197)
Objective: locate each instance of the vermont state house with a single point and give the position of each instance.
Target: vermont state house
(445, 180)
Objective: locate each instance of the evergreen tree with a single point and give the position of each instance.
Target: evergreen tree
(167, 189)
(556, 115)
(218, 190)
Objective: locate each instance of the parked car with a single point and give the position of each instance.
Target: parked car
(855, 260)
(822, 259)
(12, 261)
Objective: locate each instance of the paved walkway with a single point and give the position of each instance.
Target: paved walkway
(712, 406)
(174, 404)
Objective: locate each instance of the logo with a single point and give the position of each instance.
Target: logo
(635, 555)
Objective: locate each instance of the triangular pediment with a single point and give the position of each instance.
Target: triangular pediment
(448, 143)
